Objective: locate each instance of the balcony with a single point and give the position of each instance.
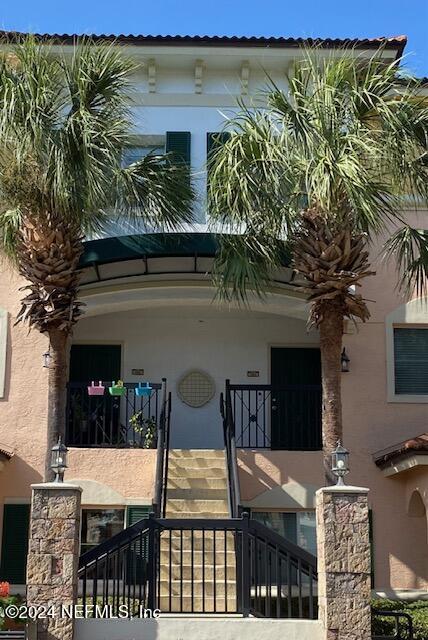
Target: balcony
(106, 420)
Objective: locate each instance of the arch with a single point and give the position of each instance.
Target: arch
(97, 493)
(416, 507)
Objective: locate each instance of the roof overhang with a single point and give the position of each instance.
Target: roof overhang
(394, 43)
(403, 456)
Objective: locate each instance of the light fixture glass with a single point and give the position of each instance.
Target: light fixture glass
(340, 463)
(59, 460)
(344, 361)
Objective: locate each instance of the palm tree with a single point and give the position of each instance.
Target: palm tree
(64, 123)
(323, 166)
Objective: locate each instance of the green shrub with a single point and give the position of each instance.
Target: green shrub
(386, 626)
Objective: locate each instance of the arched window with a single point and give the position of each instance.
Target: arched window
(416, 507)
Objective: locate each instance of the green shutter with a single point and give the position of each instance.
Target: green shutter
(178, 143)
(371, 540)
(411, 361)
(137, 554)
(14, 548)
(136, 513)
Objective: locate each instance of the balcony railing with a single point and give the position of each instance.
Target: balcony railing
(105, 420)
(272, 417)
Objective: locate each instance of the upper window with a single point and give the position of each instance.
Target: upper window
(135, 153)
(411, 361)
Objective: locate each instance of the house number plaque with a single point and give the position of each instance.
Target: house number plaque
(137, 372)
(253, 374)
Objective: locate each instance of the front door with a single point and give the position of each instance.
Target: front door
(296, 398)
(94, 421)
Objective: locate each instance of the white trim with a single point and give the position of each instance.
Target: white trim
(413, 313)
(404, 465)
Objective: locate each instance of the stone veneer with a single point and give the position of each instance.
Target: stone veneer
(344, 563)
(53, 555)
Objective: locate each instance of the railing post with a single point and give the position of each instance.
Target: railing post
(245, 566)
(152, 563)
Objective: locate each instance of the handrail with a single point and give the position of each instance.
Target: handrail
(230, 448)
(253, 570)
(396, 615)
(162, 453)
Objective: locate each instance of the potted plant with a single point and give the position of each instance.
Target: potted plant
(117, 388)
(146, 427)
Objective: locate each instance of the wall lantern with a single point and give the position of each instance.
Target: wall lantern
(47, 359)
(344, 361)
(59, 460)
(340, 463)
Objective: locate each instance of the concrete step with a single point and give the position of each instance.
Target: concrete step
(197, 572)
(196, 453)
(197, 494)
(185, 604)
(176, 472)
(197, 515)
(184, 587)
(194, 505)
(196, 484)
(197, 463)
(198, 557)
(199, 543)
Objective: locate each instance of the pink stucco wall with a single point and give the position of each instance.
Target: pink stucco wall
(370, 423)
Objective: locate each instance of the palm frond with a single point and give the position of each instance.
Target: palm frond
(409, 249)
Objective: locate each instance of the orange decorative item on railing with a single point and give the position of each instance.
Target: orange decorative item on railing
(4, 589)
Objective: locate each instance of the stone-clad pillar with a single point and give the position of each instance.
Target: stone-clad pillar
(344, 562)
(53, 555)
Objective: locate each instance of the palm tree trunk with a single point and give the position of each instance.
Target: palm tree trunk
(56, 393)
(331, 331)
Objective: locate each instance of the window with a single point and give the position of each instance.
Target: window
(411, 361)
(99, 525)
(298, 527)
(135, 153)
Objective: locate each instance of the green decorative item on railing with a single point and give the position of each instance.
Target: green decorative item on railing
(143, 389)
(147, 427)
(117, 388)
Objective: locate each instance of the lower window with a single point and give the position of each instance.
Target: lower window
(99, 525)
(298, 527)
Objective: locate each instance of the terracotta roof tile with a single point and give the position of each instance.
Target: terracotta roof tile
(393, 42)
(419, 444)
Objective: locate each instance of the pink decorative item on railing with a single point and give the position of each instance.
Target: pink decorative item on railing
(96, 389)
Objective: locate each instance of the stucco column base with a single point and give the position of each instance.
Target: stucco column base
(343, 562)
(53, 556)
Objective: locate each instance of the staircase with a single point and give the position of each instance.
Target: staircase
(198, 568)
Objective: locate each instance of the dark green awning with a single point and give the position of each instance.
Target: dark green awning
(150, 245)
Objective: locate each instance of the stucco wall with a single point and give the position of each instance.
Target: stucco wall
(170, 342)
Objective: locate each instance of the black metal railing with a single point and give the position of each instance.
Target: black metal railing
(402, 625)
(235, 566)
(162, 458)
(110, 421)
(270, 417)
(234, 494)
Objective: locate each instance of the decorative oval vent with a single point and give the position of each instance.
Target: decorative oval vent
(196, 388)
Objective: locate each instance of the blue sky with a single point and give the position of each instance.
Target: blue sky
(324, 18)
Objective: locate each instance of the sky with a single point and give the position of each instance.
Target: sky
(289, 18)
